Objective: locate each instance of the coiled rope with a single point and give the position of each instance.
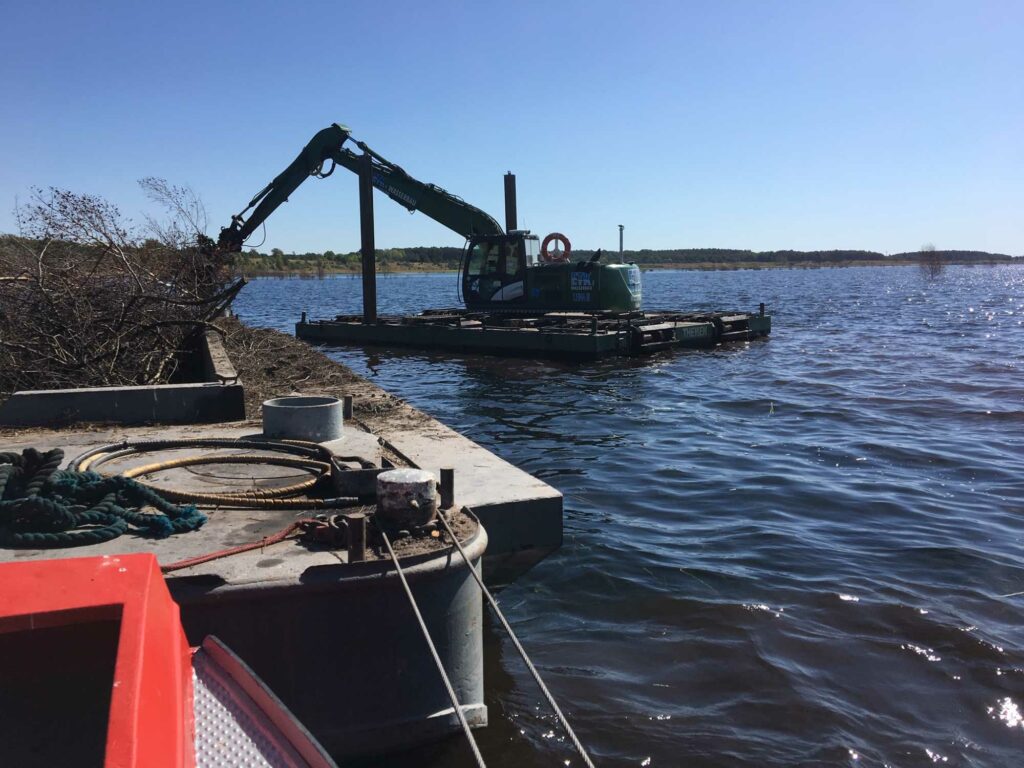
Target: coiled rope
(43, 506)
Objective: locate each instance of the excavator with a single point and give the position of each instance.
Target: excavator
(500, 271)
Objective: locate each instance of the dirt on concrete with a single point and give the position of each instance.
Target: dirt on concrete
(411, 546)
(274, 364)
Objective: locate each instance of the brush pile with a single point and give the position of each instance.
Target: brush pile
(88, 299)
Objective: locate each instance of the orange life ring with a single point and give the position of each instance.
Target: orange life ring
(555, 256)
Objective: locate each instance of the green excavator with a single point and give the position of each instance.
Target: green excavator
(500, 271)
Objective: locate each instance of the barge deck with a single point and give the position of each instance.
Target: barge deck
(581, 335)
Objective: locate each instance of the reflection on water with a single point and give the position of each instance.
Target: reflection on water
(800, 551)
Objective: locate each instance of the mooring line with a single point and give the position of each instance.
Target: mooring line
(433, 652)
(515, 640)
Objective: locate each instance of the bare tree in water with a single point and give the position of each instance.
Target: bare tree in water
(930, 260)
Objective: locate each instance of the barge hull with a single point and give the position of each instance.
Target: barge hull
(558, 334)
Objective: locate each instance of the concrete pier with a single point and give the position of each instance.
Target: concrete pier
(522, 515)
(216, 396)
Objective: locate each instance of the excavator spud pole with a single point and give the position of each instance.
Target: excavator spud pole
(368, 246)
(511, 216)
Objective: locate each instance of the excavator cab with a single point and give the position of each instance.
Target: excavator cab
(495, 269)
(506, 273)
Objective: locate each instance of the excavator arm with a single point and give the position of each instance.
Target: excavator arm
(435, 202)
(431, 200)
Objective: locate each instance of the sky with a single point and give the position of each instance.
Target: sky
(725, 123)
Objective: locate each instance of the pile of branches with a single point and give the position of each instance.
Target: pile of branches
(89, 299)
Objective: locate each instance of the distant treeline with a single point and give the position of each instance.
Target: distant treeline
(254, 262)
(734, 256)
(423, 258)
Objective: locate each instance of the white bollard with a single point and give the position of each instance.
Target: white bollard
(406, 498)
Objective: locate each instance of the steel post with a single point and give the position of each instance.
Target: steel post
(368, 246)
(511, 217)
(356, 524)
(447, 488)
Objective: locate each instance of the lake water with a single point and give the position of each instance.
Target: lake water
(801, 551)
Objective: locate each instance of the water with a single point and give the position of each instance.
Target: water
(800, 551)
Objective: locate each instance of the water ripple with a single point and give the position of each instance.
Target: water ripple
(805, 551)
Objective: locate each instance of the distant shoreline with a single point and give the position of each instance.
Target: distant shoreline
(411, 269)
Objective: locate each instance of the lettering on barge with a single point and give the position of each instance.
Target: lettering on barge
(692, 331)
(581, 284)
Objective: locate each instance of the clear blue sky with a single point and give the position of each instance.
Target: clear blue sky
(763, 125)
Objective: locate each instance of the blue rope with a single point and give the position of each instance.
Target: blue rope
(42, 505)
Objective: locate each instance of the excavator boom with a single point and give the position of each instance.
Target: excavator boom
(431, 200)
(391, 179)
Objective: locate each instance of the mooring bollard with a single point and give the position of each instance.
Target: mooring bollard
(346, 407)
(406, 498)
